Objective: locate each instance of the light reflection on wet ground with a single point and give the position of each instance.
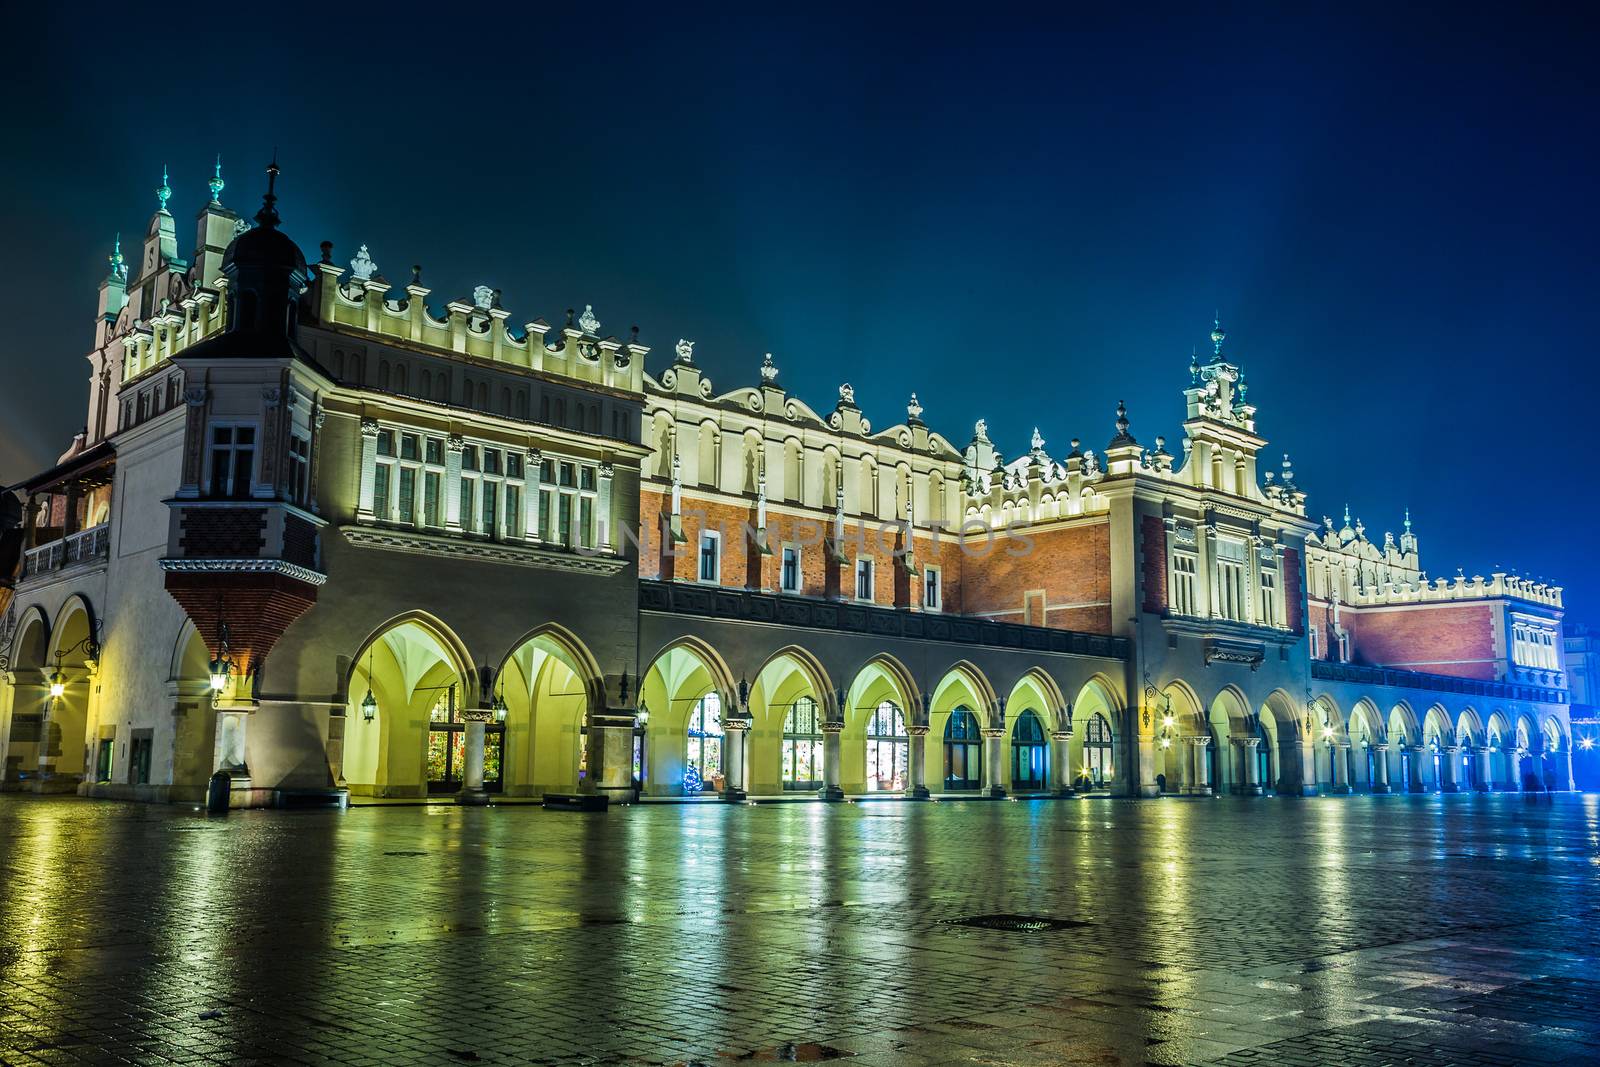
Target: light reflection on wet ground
(1351, 930)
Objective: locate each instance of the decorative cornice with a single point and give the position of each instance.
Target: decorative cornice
(244, 566)
(425, 544)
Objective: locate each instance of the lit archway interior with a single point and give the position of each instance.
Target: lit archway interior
(414, 742)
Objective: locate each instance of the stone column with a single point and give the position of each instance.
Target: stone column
(603, 506)
(1448, 758)
(1380, 768)
(472, 791)
(1061, 763)
(735, 735)
(533, 497)
(366, 501)
(1339, 755)
(993, 774)
(1202, 766)
(1147, 768)
(1308, 769)
(1252, 768)
(917, 764)
(610, 755)
(1480, 769)
(1413, 772)
(832, 757)
(452, 482)
(1514, 770)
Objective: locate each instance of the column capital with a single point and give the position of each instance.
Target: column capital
(1061, 735)
(1200, 741)
(738, 724)
(369, 427)
(1249, 742)
(992, 732)
(830, 727)
(917, 731)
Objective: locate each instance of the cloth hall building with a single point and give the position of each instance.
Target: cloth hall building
(334, 535)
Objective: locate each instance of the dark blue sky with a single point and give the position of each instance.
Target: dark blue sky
(1020, 220)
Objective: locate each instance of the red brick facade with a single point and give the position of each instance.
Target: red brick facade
(1070, 566)
(1453, 639)
(1153, 564)
(256, 607)
(1293, 592)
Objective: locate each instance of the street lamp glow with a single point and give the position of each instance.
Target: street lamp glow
(58, 685)
(369, 706)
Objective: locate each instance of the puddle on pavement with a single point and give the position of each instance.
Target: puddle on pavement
(408, 854)
(1016, 923)
(789, 1052)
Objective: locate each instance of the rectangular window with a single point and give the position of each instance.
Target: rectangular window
(789, 579)
(385, 442)
(469, 496)
(710, 557)
(139, 761)
(380, 492)
(514, 512)
(1183, 569)
(233, 451)
(1268, 614)
(489, 525)
(546, 515)
(491, 461)
(586, 521)
(435, 452)
(932, 594)
(1311, 642)
(863, 578)
(407, 508)
(1230, 577)
(564, 517)
(409, 446)
(103, 760)
(431, 484)
(469, 458)
(513, 465)
(1033, 608)
(300, 470)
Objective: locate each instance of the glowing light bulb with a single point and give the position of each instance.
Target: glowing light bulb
(58, 685)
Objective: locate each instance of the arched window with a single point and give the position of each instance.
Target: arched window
(400, 377)
(383, 374)
(963, 751)
(1097, 752)
(888, 749)
(426, 389)
(802, 745)
(1029, 753)
(705, 743)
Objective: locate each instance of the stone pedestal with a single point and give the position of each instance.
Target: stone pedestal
(610, 756)
(1252, 771)
(1308, 769)
(1380, 768)
(472, 791)
(1061, 763)
(1200, 780)
(1449, 758)
(917, 763)
(735, 735)
(993, 746)
(1514, 765)
(832, 760)
(1339, 757)
(1147, 768)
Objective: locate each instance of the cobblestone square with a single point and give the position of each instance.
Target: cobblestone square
(1352, 930)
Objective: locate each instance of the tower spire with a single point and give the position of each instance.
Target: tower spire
(119, 268)
(164, 193)
(1218, 335)
(216, 183)
(1408, 520)
(268, 215)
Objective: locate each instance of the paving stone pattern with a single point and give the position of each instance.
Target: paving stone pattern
(1359, 930)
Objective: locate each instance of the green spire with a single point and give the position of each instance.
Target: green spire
(119, 268)
(216, 183)
(164, 193)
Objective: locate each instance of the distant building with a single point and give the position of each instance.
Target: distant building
(325, 533)
(1582, 661)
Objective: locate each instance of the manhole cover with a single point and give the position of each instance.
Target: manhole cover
(405, 853)
(1024, 923)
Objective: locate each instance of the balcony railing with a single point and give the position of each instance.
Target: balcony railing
(740, 605)
(1439, 683)
(86, 546)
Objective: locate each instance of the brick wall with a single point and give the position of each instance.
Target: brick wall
(1072, 565)
(1293, 591)
(1455, 639)
(223, 533)
(1153, 565)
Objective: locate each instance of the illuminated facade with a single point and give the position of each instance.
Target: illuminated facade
(324, 535)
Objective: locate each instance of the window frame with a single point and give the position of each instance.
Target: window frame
(712, 538)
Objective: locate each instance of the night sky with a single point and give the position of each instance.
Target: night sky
(1020, 221)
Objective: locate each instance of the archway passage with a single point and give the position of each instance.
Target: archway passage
(788, 707)
(547, 685)
(888, 749)
(28, 698)
(64, 737)
(1030, 754)
(1098, 753)
(1093, 751)
(405, 702)
(876, 744)
(963, 751)
(686, 696)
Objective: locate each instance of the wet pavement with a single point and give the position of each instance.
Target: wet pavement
(1353, 930)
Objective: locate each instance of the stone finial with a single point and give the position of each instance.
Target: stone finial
(119, 266)
(587, 322)
(1075, 453)
(416, 274)
(769, 369)
(164, 191)
(361, 265)
(1037, 440)
(847, 394)
(980, 430)
(1218, 334)
(327, 252)
(216, 184)
(914, 408)
(1194, 366)
(685, 350)
(1123, 437)
(483, 297)
(1408, 520)
(1242, 391)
